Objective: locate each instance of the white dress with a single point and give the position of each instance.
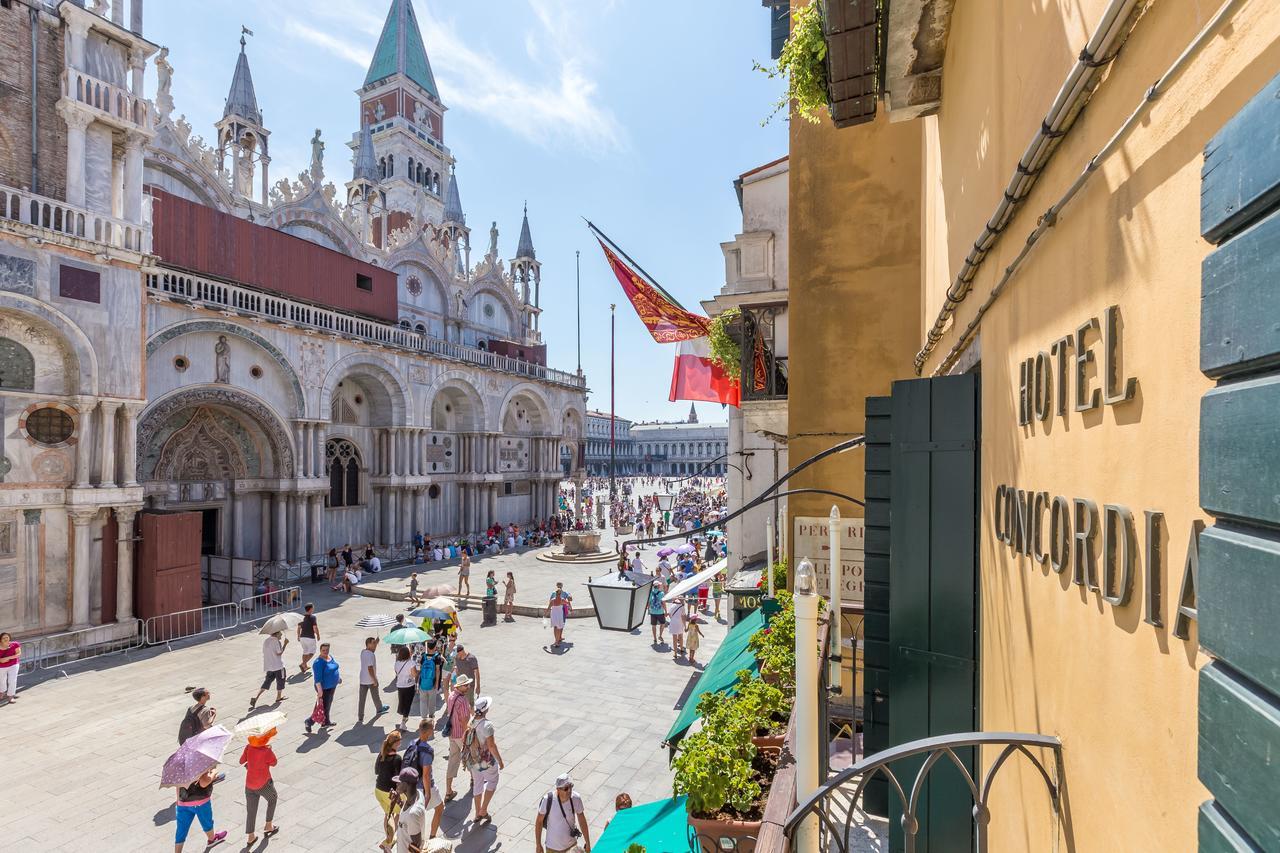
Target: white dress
(558, 612)
(677, 620)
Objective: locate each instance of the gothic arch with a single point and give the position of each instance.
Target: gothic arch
(455, 389)
(416, 262)
(506, 298)
(161, 424)
(335, 229)
(82, 367)
(381, 375)
(539, 413)
(297, 403)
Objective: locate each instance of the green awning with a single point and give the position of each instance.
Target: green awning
(721, 674)
(661, 826)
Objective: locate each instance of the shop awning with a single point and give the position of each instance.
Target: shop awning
(661, 827)
(721, 674)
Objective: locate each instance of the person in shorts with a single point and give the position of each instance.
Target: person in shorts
(308, 636)
(273, 665)
(482, 758)
(657, 613)
(464, 574)
(420, 755)
(558, 812)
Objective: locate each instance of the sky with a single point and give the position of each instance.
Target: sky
(635, 114)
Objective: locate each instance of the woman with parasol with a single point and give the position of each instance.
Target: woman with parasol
(258, 759)
(193, 770)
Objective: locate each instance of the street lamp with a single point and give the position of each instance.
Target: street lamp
(665, 502)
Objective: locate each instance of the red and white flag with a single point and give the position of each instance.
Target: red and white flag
(696, 377)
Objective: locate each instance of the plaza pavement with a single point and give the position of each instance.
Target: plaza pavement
(82, 754)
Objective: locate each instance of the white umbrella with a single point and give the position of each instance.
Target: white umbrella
(260, 724)
(692, 582)
(281, 622)
(441, 603)
(377, 620)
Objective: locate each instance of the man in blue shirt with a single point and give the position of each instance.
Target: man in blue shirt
(420, 755)
(324, 672)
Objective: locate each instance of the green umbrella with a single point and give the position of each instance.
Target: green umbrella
(661, 826)
(406, 636)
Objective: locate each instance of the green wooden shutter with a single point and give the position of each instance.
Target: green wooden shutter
(1239, 570)
(933, 592)
(876, 655)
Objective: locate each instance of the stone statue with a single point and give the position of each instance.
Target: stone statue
(420, 116)
(317, 157)
(164, 74)
(222, 360)
(460, 304)
(493, 240)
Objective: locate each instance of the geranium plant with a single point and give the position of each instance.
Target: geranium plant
(803, 63)
(713, 766)
(726, 351)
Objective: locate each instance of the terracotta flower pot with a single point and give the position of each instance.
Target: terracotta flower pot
(773, 742)
(741, 835)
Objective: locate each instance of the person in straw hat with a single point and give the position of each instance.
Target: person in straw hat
(457, 716)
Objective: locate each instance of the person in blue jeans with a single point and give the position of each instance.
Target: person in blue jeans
(324, 672)
(195, 802)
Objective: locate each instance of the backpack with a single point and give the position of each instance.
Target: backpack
(475, 756)
(191, 725)
(427, 673)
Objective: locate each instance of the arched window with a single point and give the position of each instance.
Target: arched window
(411, 172)
(17, 367)
(343, 460)
(391, 165)
(382, 166)
(420, 329)
(421, 172)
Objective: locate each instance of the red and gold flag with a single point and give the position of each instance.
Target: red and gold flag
(667, 321)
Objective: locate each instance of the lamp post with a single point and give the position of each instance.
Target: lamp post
(837, 581)
(806, 748)
(665, 502)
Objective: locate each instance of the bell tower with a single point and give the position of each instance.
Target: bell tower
(241, 135)
(526, 278)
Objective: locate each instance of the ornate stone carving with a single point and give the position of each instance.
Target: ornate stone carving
(51, 466)
(265, 419)
(311, 363)
(419, 374)
(317, 158)
(224, 328)
(17, 275)
(164, 81)
(222, 359)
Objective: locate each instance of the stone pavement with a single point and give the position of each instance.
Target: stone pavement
(82, 754)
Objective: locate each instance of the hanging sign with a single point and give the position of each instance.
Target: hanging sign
(812, 541)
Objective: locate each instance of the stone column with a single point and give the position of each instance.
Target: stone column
(117, 12)
(129, 446)
(280, 531)
(318, 545)
(84, 448)
(264, 530)
(31, 571)
(419, 511)
(407, 521)
(80, 592)
(134, 144)
(386, 525)
(135, 25)
(237, 523)
(393, 516)
(77, 123)
(299, 526)
(124, 562)
(266, 181)
(117, 182)
(108, 480)
(493, 502)
(464, 506)
(79, 30)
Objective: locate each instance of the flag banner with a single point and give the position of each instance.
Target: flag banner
(667, 321)
(696, 377)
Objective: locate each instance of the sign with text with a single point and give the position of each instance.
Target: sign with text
(812, 540)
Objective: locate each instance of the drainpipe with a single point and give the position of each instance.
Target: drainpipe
(837, 581)
(806, 745)
(35, 114)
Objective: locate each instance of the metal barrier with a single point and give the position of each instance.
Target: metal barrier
(58, 650)
(260, 607)
(30, 655)
(214, 619)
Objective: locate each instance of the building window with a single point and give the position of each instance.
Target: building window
(364, 282)
(49, 425)
(17, 366)
(343, 460)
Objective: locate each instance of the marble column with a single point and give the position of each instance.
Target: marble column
(80, 591)
(408, 523)
(464, 516)
(419, 511)
(264, 529)
(318, 545)
(117, 182)
(237, 523)
(280, 531)
(31, 572)
(299, 526)
(108, 426)
(393, 516)
(77, 125)
(493, 502)
(134, 145)
(117, 13)
(84, 447)
(321, 441)
(124, 562)
(129, 446)
(385, 526)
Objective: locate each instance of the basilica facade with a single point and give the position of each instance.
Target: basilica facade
(300, 364)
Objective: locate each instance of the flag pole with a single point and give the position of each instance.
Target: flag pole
(612, 335)
(577, 262)
(634, 265)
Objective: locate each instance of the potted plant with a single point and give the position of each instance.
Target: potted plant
(803, 64)
(716, 769)
(766, 706)
(775, 646)
(725, 346)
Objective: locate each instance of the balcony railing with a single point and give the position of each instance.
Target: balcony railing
(764, 372)
(60, 219)
(247, 302)
(116, 101)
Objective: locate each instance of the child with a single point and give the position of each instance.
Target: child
(414, 598)
(490, 585)
(692, 637)
(717, 593)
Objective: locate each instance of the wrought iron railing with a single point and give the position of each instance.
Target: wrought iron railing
(764, 372)
(188, 288)
(835, 807)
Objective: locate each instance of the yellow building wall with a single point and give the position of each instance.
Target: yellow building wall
(1055, 658)
(854, 307)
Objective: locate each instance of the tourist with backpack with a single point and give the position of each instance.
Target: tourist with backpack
(562, 816)
(453, 725)
(430, 674)
(420, 755)
(199, 716)
(481, 756)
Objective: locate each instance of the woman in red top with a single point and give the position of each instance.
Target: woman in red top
(258, 759)
(9, 654)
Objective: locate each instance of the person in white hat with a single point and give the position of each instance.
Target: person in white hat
(556, 812)
(457, 716)
(480, 754)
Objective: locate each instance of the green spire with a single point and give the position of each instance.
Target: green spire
(400, 50)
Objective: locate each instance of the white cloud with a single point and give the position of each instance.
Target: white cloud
(550, 100)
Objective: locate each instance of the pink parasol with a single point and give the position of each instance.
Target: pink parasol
(198, 754)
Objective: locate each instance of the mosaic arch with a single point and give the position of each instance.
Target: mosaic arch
(297, 406)
(212, 432)
(29, 321)
(455, 404)
(525, 410)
